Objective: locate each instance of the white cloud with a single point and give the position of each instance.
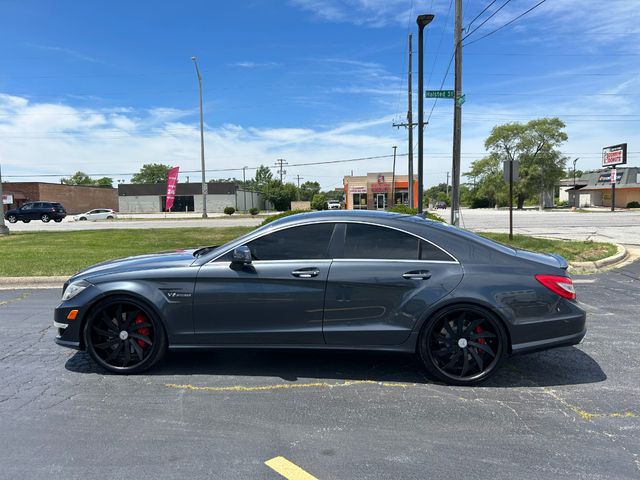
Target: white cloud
(255, 64)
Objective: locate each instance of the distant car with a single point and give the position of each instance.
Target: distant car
(45, 211)
(96, 214)
(441, 206)
(337, 280)
(333, 205)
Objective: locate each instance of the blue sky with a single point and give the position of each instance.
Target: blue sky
(104, 87)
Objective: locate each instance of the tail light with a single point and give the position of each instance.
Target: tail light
(562, 286)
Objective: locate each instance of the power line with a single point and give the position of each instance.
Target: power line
(480, 14)
(506, 24)
(486, 20)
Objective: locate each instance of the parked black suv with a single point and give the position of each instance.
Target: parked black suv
(44, 211)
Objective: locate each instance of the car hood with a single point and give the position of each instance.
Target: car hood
(550, 259)
(176, 258)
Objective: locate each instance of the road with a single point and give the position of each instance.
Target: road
(620, 227)
(570, 413)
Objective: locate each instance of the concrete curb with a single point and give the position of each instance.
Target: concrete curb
(618, 257)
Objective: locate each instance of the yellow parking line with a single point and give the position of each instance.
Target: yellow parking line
(288, 470)
(288, 386)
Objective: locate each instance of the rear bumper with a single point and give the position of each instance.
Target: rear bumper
(538, 345)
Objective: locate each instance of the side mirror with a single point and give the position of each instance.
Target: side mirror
(241, 255)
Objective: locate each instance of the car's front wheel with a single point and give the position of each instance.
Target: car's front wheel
(57, 220)
(12, 219)
(45, 217)
(463, 345)
(123, 335)
(26, 221)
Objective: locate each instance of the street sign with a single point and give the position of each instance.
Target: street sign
(7, 199)
(614, 155)
(439, 94)
(516, 170)
(461, 100)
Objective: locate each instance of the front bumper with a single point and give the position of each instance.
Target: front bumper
(67, 331)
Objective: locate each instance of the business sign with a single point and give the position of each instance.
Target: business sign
(606, 177)
(172, 182)
(613, 176)
(357, 189)
(7, 199)
(614, 155)
(379, 187)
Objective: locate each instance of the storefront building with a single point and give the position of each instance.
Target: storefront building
(377, 191)
(74, 198)
(594, 188)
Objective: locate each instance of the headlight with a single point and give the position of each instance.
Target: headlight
(74, 289)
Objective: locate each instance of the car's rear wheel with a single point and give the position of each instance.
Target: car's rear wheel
(12, 219)
(123, 335)
(82, 219)
(110, 217)
(57, 220)
(26, 221)
(463, 345)
(45, 217)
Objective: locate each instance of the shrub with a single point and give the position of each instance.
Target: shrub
(282, 215)
(403, 209)
(254, 211)
(480, 203)
(562, 203)
(229, 210)
(633, 204)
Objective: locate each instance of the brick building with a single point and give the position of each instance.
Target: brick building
(374, 191)
(75, 198)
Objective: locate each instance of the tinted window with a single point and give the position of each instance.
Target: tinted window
(297, 243)
(369, 241)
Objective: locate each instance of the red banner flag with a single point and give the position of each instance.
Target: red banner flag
(172, 181)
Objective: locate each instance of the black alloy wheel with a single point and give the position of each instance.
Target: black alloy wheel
(463, 345)
(45, 217)
(12, 219)
(123, 335)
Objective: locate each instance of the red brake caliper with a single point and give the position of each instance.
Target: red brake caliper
(140, 318)
(481, 340)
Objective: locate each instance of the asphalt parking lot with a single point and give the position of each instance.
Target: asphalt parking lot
(567, 413)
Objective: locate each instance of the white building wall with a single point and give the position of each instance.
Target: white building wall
(139, 204)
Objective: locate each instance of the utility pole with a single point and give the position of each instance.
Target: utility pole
(393, 178)
(244, 188)
(457, 119)
(575, 203)
(204, 182)
(4, 230)
(280, 163)
(299, 178)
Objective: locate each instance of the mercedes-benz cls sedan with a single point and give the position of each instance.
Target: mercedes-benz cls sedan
(329, 280)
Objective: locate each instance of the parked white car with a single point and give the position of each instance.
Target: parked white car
(96, 214)
(333, 205)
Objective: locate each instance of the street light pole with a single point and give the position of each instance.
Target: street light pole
(393, 178)
(4, 230)
(422, 21)
(204, 181)
(575, 197)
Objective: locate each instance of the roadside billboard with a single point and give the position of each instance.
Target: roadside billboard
(614, 155)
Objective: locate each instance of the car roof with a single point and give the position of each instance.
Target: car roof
(347, 215)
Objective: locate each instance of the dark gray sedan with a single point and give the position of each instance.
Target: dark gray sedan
(330, 280)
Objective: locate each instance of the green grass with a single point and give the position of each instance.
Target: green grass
(573, 251)
(65, 253)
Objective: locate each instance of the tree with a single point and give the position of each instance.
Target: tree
(279, 194)
(308, 190)
(535, 145)
(438, 193)
(263, 176)
(319, 202)
(81, 178)
(152, 173)
(78, 178)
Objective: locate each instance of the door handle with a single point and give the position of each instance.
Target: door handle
(417, 275)
(306, 272)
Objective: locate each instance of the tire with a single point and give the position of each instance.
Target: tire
(82, 219)
(26, 221)
(57, 220)
(463, 345)
(12, 219)
(110, 217)
(132, 346)
(45, 217)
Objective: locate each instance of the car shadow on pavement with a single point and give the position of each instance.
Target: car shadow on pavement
(562, 366)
